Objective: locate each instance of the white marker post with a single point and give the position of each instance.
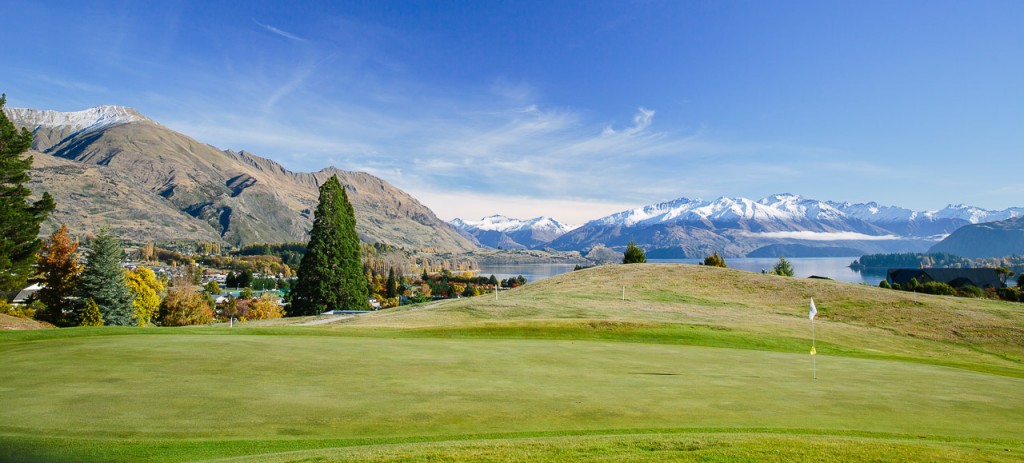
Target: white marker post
(814, 353)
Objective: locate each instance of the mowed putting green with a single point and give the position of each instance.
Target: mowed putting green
(524, 391)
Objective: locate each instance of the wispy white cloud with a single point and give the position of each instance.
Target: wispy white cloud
(296, 81)
(72, 84)
(285, 34)
(824, 236)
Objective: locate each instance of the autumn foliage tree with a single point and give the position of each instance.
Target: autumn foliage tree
(145, 289)
(184, 305)
(58, 270)
(263, 308)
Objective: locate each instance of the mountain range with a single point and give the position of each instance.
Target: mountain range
(111, 166)
(778, 224)
(500, 232)
(989, 239)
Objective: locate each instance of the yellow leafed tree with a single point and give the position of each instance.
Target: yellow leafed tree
(146, 289)
(264, 308)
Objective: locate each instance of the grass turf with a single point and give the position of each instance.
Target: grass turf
(535, 376)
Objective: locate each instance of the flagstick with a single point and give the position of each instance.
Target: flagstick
(814, 358)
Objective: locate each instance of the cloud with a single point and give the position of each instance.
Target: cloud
(72, 84)
(824, 236)
(294, 83)
(279, 32)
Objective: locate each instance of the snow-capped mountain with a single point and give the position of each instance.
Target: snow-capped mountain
(92, 118)
(740, 225)
(58, 125)
(498, 231)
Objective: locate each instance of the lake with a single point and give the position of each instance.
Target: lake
(836, 268)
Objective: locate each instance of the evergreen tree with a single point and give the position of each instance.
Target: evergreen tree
(103, 280)
(392, 284)
(634, 254)
(331, 272)
(783, 268)
(58, 271)
(231, 281)
(244, 279)
(91, 315)
(19, 218)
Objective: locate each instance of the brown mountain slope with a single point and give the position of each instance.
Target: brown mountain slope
(236, 196)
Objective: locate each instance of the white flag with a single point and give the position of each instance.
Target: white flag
(814, 311)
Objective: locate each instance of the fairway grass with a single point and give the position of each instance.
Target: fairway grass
(539, 375)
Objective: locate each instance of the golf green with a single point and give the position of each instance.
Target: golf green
(102, 394)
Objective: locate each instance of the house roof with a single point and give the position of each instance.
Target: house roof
(955, 277)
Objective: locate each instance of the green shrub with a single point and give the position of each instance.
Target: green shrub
(935, 287)
(970, 291)
(884, 284)
(1009, 294)
(20, 311)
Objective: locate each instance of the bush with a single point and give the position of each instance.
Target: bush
(715, 260)
(1009, 294)
(884, 284)
(970, 291)
(20, 311)
(935, 287)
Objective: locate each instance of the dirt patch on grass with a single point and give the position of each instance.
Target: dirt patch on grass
(8, 322)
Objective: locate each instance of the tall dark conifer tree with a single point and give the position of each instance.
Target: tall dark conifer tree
(103, 280)
(19, 218)
(331, 272)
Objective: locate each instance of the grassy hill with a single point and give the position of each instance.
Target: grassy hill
(696, 364)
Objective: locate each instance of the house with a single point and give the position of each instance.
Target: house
(984, 278)
(24, 294)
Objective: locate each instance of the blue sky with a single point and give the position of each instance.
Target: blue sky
(569, 109)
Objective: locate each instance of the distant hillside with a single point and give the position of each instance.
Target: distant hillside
(992, 239)
(111, 166)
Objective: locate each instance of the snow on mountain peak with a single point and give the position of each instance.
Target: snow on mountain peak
(88, 119)
(501, 223)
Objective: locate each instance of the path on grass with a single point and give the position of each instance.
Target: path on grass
(326, 320)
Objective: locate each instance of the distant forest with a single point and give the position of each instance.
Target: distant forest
(936, 260)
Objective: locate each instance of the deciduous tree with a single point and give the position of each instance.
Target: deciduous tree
(184, 305)
(19, 218)
(145, 289)
(58, 271)
(265, 307)
(331, 272)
